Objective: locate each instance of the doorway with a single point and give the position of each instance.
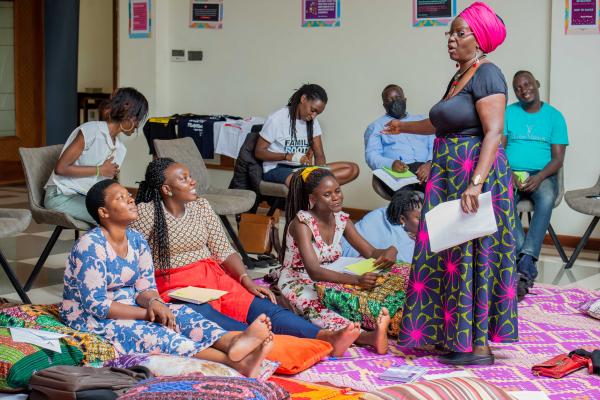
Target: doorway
(21, 83)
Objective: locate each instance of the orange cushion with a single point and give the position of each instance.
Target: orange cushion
(297, 354)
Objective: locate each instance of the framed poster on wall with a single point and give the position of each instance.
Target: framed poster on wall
(139, 19)
(206, 14)
(433, 12)
(320, 13)
(582, 16)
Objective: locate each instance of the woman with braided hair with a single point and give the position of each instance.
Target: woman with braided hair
(291, 136)
(314, 225)
(190, 248)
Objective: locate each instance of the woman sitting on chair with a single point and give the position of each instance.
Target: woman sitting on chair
(190, 248)
(93, 152)
(291, 136)
(109, 289)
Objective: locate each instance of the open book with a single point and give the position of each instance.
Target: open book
(192, 294)
(395, 180)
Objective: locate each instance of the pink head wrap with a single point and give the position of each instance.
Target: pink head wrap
(487, 27)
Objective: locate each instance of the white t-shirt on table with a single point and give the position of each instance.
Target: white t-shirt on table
(277, 131)
(97, 148)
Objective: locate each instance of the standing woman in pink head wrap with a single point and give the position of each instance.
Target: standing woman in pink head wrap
(461, 298)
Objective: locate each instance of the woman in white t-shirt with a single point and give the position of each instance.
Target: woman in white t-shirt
(291, 137)
(94, 152)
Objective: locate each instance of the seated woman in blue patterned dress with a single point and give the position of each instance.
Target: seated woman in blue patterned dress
(110, 290)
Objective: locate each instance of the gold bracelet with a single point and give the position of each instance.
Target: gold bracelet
(242, 276)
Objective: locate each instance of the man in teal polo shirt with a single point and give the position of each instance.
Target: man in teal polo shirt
(535, 141)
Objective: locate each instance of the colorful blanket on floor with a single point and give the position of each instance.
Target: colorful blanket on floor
(549, 324)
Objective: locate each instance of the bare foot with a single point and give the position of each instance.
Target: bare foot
(250, 365)
(249, 340)
(381, 336)
(340, 339)
(377, 338)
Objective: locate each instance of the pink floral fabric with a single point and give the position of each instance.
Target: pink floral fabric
(295, 283)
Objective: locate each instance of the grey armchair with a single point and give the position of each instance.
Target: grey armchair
(579, 201)
(223, 201)
(13, 221)
(38, 164)
(277, 190)
(526, 206)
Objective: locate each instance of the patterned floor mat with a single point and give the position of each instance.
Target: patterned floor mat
(549, 324)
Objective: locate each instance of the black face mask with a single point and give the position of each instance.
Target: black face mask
(396, 109)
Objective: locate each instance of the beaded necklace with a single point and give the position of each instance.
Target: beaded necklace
(459, 75)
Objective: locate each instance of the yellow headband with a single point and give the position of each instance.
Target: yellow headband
(306, 172)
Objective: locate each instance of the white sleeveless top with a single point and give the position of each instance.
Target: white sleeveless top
(98, 147)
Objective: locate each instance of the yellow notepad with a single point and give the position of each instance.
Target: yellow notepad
(196, 295)
(362, 267)
(398, 175)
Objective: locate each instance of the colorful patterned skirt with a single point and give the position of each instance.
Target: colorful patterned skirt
(465, 295)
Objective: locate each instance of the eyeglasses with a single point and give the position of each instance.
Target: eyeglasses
(458, 35)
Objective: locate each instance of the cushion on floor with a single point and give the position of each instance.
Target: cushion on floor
(296, 355)
(196, 386)
(18, 361)
(169, 365)
(95, 349)
(301, 390)
(441, 389)
(360, 305)
(591, 308)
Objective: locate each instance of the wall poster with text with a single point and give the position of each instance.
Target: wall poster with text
(206, 14)
(582, 16)
(433, 12)
(320, 13)
(139, 19)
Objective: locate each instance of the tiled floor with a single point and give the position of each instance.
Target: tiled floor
(22, 252)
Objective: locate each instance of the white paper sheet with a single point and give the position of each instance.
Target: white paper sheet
(44, 339)
(393, 183)
(449, 226)
(341, 263)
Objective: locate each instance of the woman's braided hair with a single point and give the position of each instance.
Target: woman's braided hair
(312, 92)
(403, 202)
(297, 199)
(149, 191)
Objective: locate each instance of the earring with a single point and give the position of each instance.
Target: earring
(170, 194)
(126, 130)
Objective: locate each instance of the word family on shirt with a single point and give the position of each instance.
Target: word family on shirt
(277, 130)
(295, 145)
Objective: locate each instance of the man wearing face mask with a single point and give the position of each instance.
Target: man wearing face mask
(398, 152)
(535, 138)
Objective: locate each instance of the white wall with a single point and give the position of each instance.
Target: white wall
(262, 54)
(95, 57)
(575, 83)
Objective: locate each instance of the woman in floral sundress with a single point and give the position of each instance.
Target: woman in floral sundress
(315, 224)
